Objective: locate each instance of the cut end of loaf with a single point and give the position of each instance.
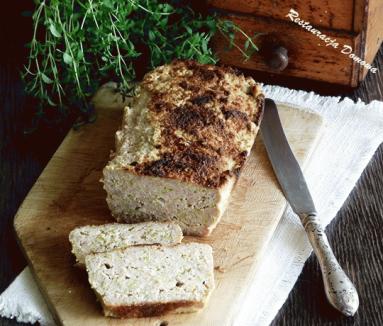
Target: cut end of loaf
(152, 280)
(196, 209)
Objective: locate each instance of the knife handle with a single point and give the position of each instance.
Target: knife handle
(340, 291)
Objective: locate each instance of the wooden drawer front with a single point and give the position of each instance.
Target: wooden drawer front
(335, 14)
(309, 57)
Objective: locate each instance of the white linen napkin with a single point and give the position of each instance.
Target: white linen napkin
(353, 132)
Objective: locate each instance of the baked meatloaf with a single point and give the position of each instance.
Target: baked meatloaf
(149, 281)
(182, 144)
(92, 239)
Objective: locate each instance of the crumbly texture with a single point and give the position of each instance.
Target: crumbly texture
(191, 126)
(152, 280)
(92, 239)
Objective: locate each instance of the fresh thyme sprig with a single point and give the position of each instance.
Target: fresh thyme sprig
(79, 44)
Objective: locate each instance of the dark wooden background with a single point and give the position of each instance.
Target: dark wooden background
(356, 233)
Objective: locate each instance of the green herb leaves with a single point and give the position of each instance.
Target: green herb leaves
(67, 58)
(53, 29)
(78, 44)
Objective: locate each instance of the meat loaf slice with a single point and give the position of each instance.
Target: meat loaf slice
(182, 145)
(92, 239)
(152, 280)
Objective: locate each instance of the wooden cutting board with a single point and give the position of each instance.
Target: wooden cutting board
(68, 194)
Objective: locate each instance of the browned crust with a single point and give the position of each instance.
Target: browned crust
(213, 112)
(260, 109)
(150, 309)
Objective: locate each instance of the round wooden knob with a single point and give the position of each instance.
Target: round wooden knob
(277, 58)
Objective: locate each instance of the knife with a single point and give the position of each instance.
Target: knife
(340, 291)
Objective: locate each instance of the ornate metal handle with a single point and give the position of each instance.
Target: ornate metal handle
(340, 291)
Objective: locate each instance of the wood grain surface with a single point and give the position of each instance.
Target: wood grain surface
(331, 14)
(308, 56)
(354, 233)
(356, 24)
(373, 25)
(68, 194)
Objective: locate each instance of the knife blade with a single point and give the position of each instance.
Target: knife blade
(340, 291)
(285, 165)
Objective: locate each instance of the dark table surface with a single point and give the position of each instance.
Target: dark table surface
(355, 234)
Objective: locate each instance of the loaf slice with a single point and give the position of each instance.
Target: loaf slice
(182, 145)
(152, 280)
(91, 239)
